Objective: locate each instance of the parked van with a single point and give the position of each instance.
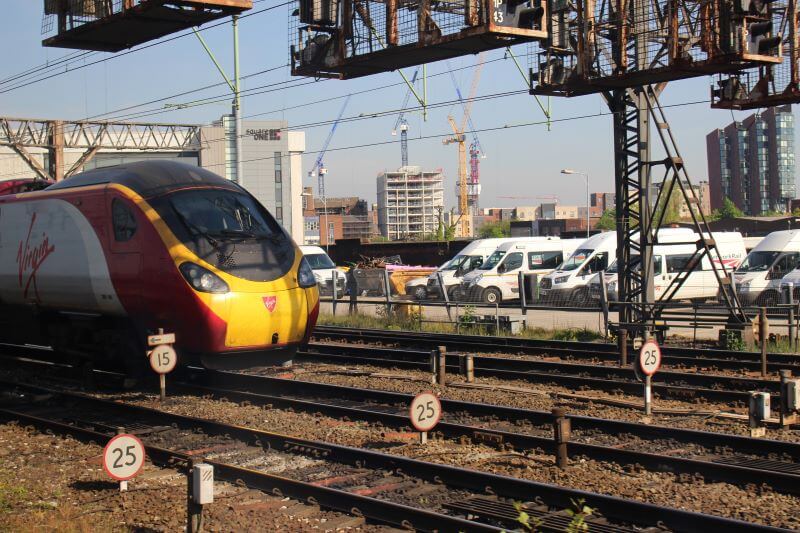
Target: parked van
(468, 259)
(670, 259)
(497, 279)
(751, 242)
(568, 283)
(758, 278)
(323, 268)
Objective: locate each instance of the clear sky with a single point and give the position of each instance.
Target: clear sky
(522, 161)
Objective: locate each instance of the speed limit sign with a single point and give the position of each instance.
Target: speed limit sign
(649, 358)
(425, 411)
(163, 359)
(123, 457)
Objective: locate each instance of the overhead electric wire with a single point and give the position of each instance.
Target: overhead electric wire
(190, 91)
(479, 130)
(446, 134)
(134, 50)
(299, 83)
(74, 56)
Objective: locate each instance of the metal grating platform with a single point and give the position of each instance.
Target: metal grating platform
(505, 513)
(761, 464)
(352, 38)
(114, 25)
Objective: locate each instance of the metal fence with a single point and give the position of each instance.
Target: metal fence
(417, 300)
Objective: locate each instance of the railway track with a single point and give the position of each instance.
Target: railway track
(381, 487)
(673, 356)
(715, 456)
(667, 384)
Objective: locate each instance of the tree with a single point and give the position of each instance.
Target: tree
(608, 220)
(670, 206)
(729, 209)
(501, 228)
(445, 231)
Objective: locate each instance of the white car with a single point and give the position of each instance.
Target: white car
(323, 268)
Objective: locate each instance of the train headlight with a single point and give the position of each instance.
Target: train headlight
(305, 276)
(202, 279)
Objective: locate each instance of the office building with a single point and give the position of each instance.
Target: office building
(271, 165)
(752, 162)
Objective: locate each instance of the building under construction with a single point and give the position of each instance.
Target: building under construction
(410, 202)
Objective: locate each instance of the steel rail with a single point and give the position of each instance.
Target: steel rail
(672, 355)
(678, 385)
(778, 480)
(626, 511)
(506, 363)
(257, 384)
(380, 511)
(244, 382)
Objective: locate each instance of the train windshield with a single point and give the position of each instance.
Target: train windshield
(224, 215)
(230, 230)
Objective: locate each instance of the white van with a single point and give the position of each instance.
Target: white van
(758, 278)
(669, 259)
(568, 283)
(497, 279)
(323, 268)
(468, 259)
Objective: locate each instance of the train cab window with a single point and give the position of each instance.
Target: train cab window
(123, 220)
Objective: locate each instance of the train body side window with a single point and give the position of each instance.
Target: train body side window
(123, 220)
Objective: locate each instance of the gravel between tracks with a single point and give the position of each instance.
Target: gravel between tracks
(697, 413)
(51, 483)
(752, 503)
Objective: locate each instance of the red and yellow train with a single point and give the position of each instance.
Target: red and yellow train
(93, 264)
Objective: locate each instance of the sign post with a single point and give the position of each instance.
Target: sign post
(649, 363)
(425, 412)
(123, 458)
(163, 357)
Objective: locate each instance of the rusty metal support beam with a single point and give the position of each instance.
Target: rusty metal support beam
(56, 150)
(88, 134)
(81, 162)
(31, 161)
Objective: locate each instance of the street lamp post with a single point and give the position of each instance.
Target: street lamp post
(586, 177)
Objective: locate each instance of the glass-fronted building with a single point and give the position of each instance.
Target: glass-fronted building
(752, 162)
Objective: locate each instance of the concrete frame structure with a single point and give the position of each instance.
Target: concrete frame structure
(409, 202)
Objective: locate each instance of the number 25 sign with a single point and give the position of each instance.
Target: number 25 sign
(123, 457)
(425, 411)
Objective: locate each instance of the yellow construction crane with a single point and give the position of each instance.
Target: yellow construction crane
(465, 226)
